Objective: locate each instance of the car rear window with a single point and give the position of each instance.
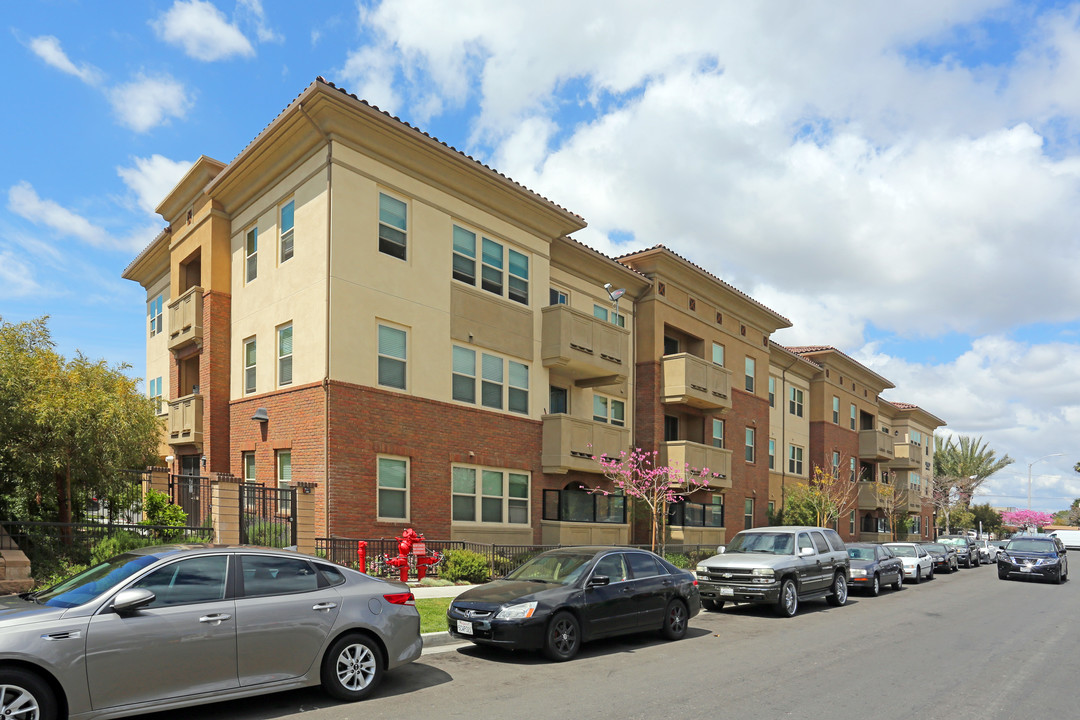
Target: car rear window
(834, 539)
(643, 565)
(819, 542)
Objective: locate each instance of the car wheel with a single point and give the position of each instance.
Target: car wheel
(352, 668)
(563, 639)
(918, 575)
(930, 575)
(788, 602)
(675, 619)
(899, 584)
(1003, 574)
(1064, 572)
(967, 563)
(713, 605)
(25, 696)
(875, 589)
(839, 590)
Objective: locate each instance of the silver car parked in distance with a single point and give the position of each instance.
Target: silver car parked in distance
(180, 625)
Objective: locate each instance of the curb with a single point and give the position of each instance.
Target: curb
(440, 639)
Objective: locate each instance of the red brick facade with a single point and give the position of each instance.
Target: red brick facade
(749, 480)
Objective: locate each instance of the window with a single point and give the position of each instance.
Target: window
(795, 459)
(494, 374)
(557, 297)
(599, 311)
(748, 513)
(154, 390)
(671, 345)
(465, 256)
(284, 353)
(284, 480)
(287, 230)
(518, 290)
(494, 258)
(272, 575)
(671, 428)
(393, 226)
(772, 391)
(248, 460)
(750, 445)
(717, 519)
(916, 525)
(851, 522)
(393, 473)
(853, 416)
(718, 354)
(251, 253)
(717, 433)
(851, 463)
(491, 269)
(558, 400)
(154, 310)
(836, 410)
(915, 437)
(392, 343)
(750, 365)
(610, 410)
(503, 496)
(795, 402)
(772, 454)
(517, 399)
(463, 378)
(194, 580)
(249, 366)
(835, 464)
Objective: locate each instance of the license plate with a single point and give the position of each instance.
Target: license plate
(727, 591)
(1026, 568)
(464, 627)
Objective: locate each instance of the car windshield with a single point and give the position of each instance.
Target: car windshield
(903, 550)
(860, 553)
(762, 542)
(561, 568)
(1028, 545)
(936, 547)
(88, 584)
(954, 541)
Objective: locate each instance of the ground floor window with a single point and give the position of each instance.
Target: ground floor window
(393, 480)
(489, 495)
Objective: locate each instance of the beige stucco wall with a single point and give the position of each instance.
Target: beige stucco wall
(158, 357)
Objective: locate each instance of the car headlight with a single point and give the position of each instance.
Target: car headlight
(517, 612)
(768, 572)
(702, 568)
(857, 572)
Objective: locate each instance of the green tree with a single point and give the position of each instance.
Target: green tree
(990, 518)
(961, 464)
(67, 427)
(822, 502)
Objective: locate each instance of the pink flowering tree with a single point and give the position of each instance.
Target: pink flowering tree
(1032, 519)
(637, 476)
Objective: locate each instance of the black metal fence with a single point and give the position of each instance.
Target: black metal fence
(193, 494)
(118, 502)
(267, 516)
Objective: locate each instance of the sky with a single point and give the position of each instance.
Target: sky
(901, 180)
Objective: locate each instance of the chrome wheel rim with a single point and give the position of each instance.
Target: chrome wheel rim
(18, 704)
(841, 589)
(790, 599)
(877, 585)
(676, 621)
(356, 666)
(564, 636)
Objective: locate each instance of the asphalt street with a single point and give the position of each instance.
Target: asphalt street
(960, 646)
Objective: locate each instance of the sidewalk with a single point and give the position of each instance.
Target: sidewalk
(440, 641)
(448, 591)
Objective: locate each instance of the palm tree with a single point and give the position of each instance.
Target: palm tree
(964, 462)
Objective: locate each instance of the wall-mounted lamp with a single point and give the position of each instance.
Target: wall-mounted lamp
(203, 462)
(261, 416)
(169, 458)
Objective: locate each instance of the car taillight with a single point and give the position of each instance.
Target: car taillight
(403, 598)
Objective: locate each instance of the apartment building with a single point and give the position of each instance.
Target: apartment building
(790, 376)
(702, 364)
(912, 468)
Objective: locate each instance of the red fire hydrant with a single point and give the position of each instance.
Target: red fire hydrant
(412, 549)
(361, 555)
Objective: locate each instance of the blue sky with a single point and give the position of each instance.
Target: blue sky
(901, 180)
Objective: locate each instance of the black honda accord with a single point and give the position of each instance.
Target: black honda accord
(564, 597)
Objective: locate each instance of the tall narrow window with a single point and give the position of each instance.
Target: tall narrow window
(463, 500)
(772, 454)
(154, 309)
(517, 393)
(517, 498)
(287, 230)
(717, 433)
(718, 354)
(155, 394)
(284, 480)
(851, 520)
(795, 402)
(392, 343)
(851, 464)
(835, 464)
(558, 400)
(748, 513)
(772, 391)
(853, 416)
(518, 288)
(463, 378)
(836, 410)
(750, 371)
(251, 253)
(491, 269)
(491, 500)
(750, 444)
(464, 255)
(393, 488)
(795, 460)
(249, 479)
(557, 297)
(491, 381)
(285, 355)
(393, 226)
(671, 428)
(249, 366)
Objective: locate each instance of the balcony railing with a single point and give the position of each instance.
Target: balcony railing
(569, 443)
(690, 380)
(910, 501)
(875, 445)
(584, 507)
(906, 455)
(186, 420)
(185, 319)
(584, 347)
(699, 457)
(874, 495)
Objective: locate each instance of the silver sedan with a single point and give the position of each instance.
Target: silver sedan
(174, 626)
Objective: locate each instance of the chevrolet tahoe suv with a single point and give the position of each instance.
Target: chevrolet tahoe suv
(779, 566)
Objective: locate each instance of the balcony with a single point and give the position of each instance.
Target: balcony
(569, 443)
(185, 319)
(186, 420)
(592, 351)
(874, 495)
(907, 456)
(875, 537)
(875, 445)
(910, 501)
(690, 380)
(683, 452)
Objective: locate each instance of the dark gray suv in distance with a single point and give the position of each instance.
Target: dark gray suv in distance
(780, 566)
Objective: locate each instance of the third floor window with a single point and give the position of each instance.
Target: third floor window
(393, 226)
(503, 270)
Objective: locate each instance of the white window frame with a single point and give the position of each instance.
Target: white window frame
(714, 435)
(251, 254)
(795, 459)
(606, 404)
(380, 355)
(717, 346)
(772, 391)
(609, 316)
(511, 284)
(484, 379)
(750, 368)
(153, 388)
(854, 415)
(250, 369)
(286, 234)
(772, 453)
(748, 513)
(156, 311)
(404, 245)
(407, 490)
(283, 483)
(835, 410)
(751, 441)
(795, 402)
(248, 470)
(283, 357)
(505, 497)
(561, 297)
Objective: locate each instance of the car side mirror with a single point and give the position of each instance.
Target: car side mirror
(803, 552)
(599, 581)
(721, 550)
(130, 600)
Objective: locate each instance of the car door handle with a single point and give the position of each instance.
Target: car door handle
(215, 619)
(327, 606)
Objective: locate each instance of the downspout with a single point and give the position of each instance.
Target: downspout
(326, 369)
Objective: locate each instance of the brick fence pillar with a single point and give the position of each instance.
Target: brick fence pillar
(305, 516)
(157, 478)
(225, 508)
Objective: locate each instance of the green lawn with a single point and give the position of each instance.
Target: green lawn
(433, 613)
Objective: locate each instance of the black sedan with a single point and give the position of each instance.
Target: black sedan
(564, 597)
(874, 565)
(1034, 557)
(945, 556)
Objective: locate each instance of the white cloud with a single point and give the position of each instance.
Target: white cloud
(23, 200)
(16, 277)
(148, 101)
(152, 178)
(252, 11)
(202, 31)
(47, 47)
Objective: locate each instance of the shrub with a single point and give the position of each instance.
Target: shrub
(268, 534)
(465, 566)
(159, 510)
(61, 571)
(678, 560)
(115, 544)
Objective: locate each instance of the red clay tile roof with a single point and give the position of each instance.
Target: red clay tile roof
(606, 257)
(813, 349)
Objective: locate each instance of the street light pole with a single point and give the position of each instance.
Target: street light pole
(1029, 473)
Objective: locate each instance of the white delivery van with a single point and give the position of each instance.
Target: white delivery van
(1071, 538)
